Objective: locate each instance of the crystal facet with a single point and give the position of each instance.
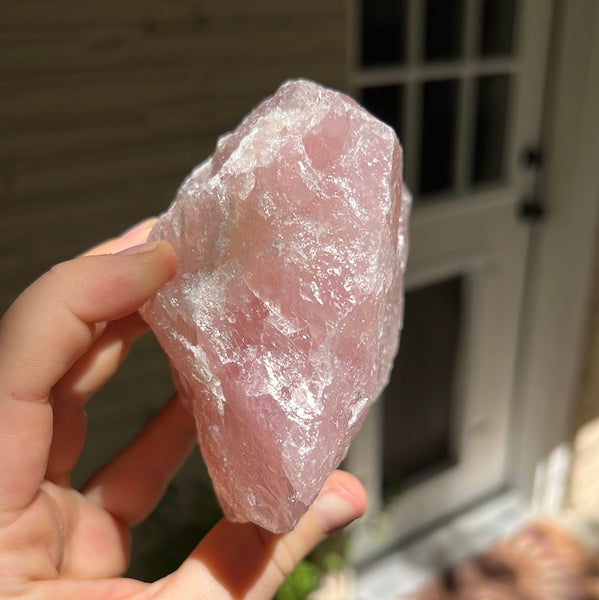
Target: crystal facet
(283, 319)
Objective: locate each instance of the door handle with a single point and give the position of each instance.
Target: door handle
(531, 210)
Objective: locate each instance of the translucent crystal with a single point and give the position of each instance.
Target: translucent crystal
(283, 319)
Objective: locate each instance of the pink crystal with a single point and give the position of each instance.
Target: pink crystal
(283, 319)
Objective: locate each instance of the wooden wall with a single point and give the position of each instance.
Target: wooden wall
(104, 108)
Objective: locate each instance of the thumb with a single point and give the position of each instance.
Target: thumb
(52, 323)
(241, 561)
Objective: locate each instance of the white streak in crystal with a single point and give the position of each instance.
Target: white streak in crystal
(266, 205)
(204, 375)
(280, 322)
(299, 402)
(201, 371)
(316, 292)
(206, 293)
(357, 408)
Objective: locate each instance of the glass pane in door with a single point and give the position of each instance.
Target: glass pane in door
(386, 103)
(496, 28)
(438, 135)
(383, 32)
(493, 93)
(443, 33)
(419, 402)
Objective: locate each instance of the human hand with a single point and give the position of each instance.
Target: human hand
(61, 340)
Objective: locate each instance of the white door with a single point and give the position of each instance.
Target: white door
(462, 81)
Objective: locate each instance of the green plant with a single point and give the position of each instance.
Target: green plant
(300, 582)
(327, 557)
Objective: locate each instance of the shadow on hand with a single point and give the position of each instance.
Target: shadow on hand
(237, 554)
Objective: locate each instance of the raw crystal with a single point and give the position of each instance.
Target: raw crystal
(283, 318)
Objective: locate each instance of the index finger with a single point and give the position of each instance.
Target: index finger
(132, 237)
(43, 333)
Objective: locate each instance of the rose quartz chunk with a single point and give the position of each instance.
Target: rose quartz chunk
(283, 319)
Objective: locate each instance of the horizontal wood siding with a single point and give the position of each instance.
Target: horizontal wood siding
(105, 106)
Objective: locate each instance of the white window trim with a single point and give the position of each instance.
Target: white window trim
(562, 251)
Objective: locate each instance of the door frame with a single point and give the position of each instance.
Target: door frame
(562, 249)
(559, 261)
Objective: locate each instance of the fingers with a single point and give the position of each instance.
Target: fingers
(94, 543)
(47, 329)
(52, 323)
(91, 371)
(130, 486)
(95, 368)
(90, 589)
(243, 561)
(234, 561)
(83, 379)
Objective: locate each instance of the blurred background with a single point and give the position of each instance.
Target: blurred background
(106, 106)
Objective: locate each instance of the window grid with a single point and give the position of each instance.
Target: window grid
(415, 72)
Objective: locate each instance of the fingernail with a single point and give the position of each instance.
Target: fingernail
(144, 225)
(335, 510)
(139, 249)
(94, 495)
